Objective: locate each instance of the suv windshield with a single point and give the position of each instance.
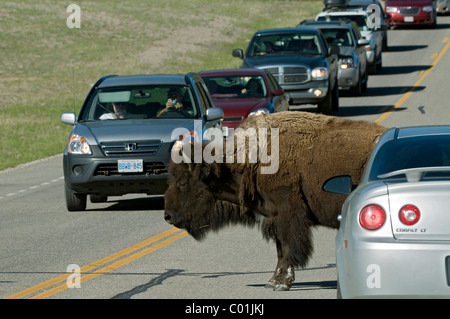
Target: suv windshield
(412, 152)
(240, 86)
(339, 37)
(360, 20)
(286, 43)
(142, 102)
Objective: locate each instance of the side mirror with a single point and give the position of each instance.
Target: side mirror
(339, 185)
(214, 113)
(68, 118)
(278, 92)
(238, 53)
(333, 49)
(363, 42)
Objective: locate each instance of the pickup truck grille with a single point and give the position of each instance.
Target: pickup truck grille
(130, 148)
(290, 74)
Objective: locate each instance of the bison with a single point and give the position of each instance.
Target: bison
(286, 203)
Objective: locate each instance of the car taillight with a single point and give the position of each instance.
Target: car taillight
(372, 217)
(409, 214)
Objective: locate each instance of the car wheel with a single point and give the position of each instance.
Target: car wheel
(75, 201)
(366, 80)
(98, 198)
(357, 89)
(338, 290)
(335, 98)
(326, 106)
(379, 65)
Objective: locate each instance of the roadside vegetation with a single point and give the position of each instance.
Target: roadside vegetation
(47, 68)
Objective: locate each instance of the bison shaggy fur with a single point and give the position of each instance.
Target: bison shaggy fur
(285, 204)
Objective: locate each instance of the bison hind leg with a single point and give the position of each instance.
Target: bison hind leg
(294, 247)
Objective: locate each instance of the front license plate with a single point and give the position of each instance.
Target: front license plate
(130, 166)
(409, 19)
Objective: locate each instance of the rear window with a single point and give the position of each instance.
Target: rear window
(412, 152)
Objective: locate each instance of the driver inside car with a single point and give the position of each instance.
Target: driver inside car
(173, 102)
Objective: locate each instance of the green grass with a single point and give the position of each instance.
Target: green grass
(47, 68)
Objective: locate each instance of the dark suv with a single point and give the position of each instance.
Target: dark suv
(301, 61)
(121, 141)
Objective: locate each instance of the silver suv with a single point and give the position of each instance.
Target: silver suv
(122, 139)
(375, 36)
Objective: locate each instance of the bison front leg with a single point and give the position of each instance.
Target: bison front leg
(284, 274)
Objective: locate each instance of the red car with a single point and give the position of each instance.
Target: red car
(244, 92)
(411, 12)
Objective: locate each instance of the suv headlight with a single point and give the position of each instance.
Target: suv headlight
(78, 145)
(346, 63)
(427, 8)
(319, 73)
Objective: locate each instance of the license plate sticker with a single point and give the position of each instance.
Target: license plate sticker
(409, 19)
(130, 166)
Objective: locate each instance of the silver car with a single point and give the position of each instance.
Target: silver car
(353, 72)
(394, 235)
(443, 6)
(122, 139)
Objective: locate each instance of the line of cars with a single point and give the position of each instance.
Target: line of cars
(393, 226)
(122, 136)
(312, 60)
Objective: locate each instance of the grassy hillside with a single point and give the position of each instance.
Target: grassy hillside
(47, 68)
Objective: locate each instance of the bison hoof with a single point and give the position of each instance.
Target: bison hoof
(281, 288)
(270, 285)
(277, 287)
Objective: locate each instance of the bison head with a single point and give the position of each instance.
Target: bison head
(202, 197)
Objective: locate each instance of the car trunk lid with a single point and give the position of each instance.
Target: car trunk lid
(432, 198)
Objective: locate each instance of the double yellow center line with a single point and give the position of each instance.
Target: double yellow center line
(114, 261)
(437, 58)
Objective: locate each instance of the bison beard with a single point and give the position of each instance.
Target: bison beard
(285, 205)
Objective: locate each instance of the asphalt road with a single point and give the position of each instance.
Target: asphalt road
(124, 248)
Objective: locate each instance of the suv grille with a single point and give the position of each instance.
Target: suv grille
(290, 75)
(130, 148)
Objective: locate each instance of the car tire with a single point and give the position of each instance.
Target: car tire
(338, 290)
(366, 80)
(326, 106)
(379, 64)
(75, 201)
(358, 88)
(335, 98)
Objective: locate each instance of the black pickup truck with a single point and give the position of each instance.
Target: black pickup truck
(301, 61)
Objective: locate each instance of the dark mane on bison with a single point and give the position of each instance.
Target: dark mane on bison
(285, 204)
